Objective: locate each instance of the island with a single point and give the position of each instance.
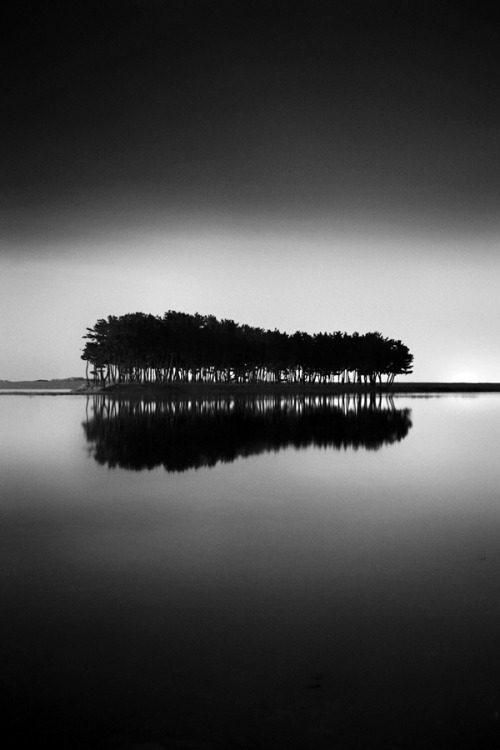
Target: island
(179, 348)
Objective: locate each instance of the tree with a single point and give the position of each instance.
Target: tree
(181, 347)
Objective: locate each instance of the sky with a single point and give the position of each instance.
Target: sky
(313, 166)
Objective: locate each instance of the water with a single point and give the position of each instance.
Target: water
(258, 574)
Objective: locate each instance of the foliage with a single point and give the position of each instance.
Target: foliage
(180, 347)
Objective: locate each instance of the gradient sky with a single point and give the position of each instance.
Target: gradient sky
(314, 165)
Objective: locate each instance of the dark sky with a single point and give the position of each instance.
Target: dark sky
(350, 108)
(303, 165)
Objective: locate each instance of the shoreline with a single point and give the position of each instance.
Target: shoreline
(256, 389)
(172, 390)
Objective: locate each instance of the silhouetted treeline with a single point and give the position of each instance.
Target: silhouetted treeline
(185, 434)
(180, 347)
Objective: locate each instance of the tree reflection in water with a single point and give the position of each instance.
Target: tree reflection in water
(186, 434)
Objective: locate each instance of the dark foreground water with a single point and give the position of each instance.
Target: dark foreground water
(253, 574)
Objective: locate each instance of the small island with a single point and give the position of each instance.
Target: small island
(180, 349)
(180, 354)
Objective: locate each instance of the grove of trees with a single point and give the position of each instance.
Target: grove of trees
(180, 347)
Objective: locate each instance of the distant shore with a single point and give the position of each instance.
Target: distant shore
(56, 384)
(76, 386)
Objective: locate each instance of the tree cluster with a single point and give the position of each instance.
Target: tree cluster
(180, 347)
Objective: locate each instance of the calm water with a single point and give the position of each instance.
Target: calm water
(256, 574)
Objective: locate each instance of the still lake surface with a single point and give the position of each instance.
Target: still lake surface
(258, 573)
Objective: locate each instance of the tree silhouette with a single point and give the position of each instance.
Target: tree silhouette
(180, 347)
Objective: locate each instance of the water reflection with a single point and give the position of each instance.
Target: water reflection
(185, 434)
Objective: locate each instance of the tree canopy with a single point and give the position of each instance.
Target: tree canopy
(180, 347)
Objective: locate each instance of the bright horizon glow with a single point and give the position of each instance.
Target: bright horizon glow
(465, 377)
